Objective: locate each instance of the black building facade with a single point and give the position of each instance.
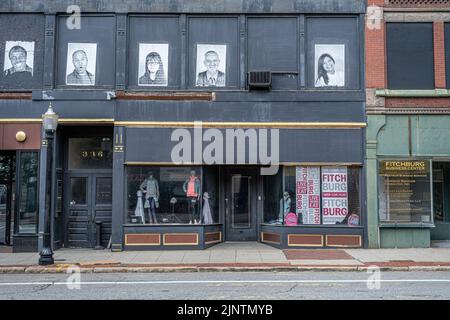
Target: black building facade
(163, 137)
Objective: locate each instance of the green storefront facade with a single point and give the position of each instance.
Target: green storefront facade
(406, 139)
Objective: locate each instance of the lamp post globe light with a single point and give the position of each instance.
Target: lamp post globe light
(50, 124)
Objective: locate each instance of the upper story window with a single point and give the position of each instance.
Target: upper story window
(410, 56)
(86, 57)
(173, 52)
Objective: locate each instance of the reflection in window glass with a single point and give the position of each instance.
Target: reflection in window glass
(240, 201)
(104, 191)
(273, 204)
(438, 191)
(405, 191)
(314, 196)
(90, 153)
(79, 190)
(170, 195)
(27, 217)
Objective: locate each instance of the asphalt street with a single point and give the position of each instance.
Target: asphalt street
(228, 285)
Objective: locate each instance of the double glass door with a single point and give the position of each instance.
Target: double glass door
(241, 204)
(88, 201)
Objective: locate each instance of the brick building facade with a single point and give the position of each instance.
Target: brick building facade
(408, 112)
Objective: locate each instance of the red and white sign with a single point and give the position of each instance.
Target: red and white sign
(334, 194)
(308, 194)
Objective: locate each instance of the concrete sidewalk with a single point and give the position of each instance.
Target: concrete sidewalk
(232, 256)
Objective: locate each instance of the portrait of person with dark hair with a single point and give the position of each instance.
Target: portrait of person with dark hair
(80, 75)
(19, 58)
(210, 68)
(81, 59)
(154, 71)
(153, 64)
(329, 73)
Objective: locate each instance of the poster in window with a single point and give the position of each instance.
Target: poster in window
(211, 65)
(81, 64)
(330, 65)
(19, 60)
(308, 194)
(405, 191)
(334, 194)
(153, 64)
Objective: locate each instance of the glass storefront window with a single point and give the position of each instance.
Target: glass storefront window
(314, 195)
(171, 195)
(405, 191)
(90, 153)
(273, 206)
(28, 208)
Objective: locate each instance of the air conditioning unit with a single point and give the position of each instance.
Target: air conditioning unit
(259, 80)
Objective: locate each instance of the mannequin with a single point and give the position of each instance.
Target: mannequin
(192, 189)
(207, 218)
(151, 189)
(139, 212)
(285, 206)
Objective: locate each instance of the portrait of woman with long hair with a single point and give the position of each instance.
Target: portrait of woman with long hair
(329, 73)
(154, 71)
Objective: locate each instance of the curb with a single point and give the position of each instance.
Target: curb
(170, 269)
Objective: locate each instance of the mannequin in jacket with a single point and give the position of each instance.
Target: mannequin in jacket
(151, 189)
(192, 189)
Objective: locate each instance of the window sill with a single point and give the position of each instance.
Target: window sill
(407, 225)
(432, 93)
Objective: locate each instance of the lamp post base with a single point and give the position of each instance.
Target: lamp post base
(46, 257)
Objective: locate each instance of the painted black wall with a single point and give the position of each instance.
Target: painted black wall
(190, 6)
(150, 29)
(307, 145)
(28, 28)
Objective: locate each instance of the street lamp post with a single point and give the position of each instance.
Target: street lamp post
(50, 123)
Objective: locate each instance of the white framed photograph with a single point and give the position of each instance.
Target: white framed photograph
(19, 58)
(153, 64)
(81, 64)
(330, 65)
(211, 65)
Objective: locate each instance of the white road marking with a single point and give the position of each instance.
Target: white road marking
(219, 282)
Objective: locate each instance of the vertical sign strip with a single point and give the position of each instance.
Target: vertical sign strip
(308, 194)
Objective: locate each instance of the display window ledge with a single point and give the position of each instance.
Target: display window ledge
(428, 93)
(172, 236)
(162, 225)
(407, 225)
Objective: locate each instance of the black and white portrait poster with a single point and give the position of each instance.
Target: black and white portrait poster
(211, 65)
(330, 65)
(81, 64)
(153, 64)
(19, 59)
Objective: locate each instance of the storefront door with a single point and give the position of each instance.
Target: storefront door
(7, 185)
(88, 200)
(241, 204)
